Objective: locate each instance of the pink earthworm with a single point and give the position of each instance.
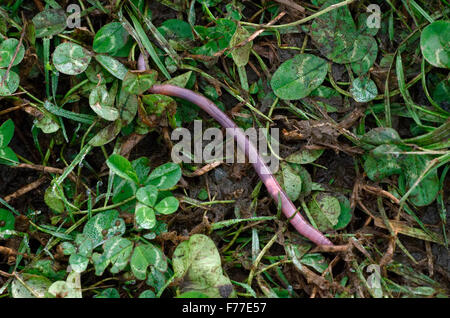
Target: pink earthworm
(263, 171)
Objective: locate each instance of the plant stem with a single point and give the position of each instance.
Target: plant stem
(302, 21)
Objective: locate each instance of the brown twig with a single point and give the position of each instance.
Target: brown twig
(292, 4)
(39, 168)
(380, 192)
(204, 169)
(320, 281)
(44, 169)
(25, 189)
(251, 37)
(430, 258)
(325, 272)
(39, 5)
(130, 143)
(5, 274)
(361, 248)
(11, 109)
(331, 248)
(9, 251)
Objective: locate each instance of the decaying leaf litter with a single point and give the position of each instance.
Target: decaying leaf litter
(92, 205)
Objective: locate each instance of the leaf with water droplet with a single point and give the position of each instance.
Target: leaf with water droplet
(298, 77)
(53, 200)
(106, 135)
(305, 156)
(103, 226)
(290, 181)
(198, 262)
(167, 205)
(381, 135)
(363, 90)
(36, 283)
(110, 38)
(8, 49)
(6, 223)
(8, 84)
(71, 59)
(434, 43)
(305, 177)
(335, 35)
(144, 216)
(147, 195)
(49, 22)
(116, 251)
(180, 80)
(112, 65)
(6, 133)
(325, 210)
(8, 157)
(370, 47)
(346, 213)
(78, 262)
(428, 188)
(165, 176)
(146, 255)
(241, 54)
(127, 105)
(100, 103)
(95, 73)
(382, 163)
(137, 83)
(47, 123)
(71, 288)
(122, 167)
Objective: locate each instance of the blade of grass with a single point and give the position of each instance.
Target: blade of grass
(157, 35)
(243, 78)
(46, 48)
(302, 21)
(441, 206)
(404, 229)
(431, 166)
(410, 105)
(401, 17)
(427, 94)
(58, 111)
(437, 135)
(246, 287)
(416, 6)
(391, 230)
(79, 158)
(222, 224)
(148, 46)
(261, 254)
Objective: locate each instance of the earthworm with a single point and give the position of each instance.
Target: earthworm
(263, 171)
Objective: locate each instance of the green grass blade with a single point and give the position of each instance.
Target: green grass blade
(148, 46)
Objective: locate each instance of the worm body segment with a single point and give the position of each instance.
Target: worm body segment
(250, 151)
